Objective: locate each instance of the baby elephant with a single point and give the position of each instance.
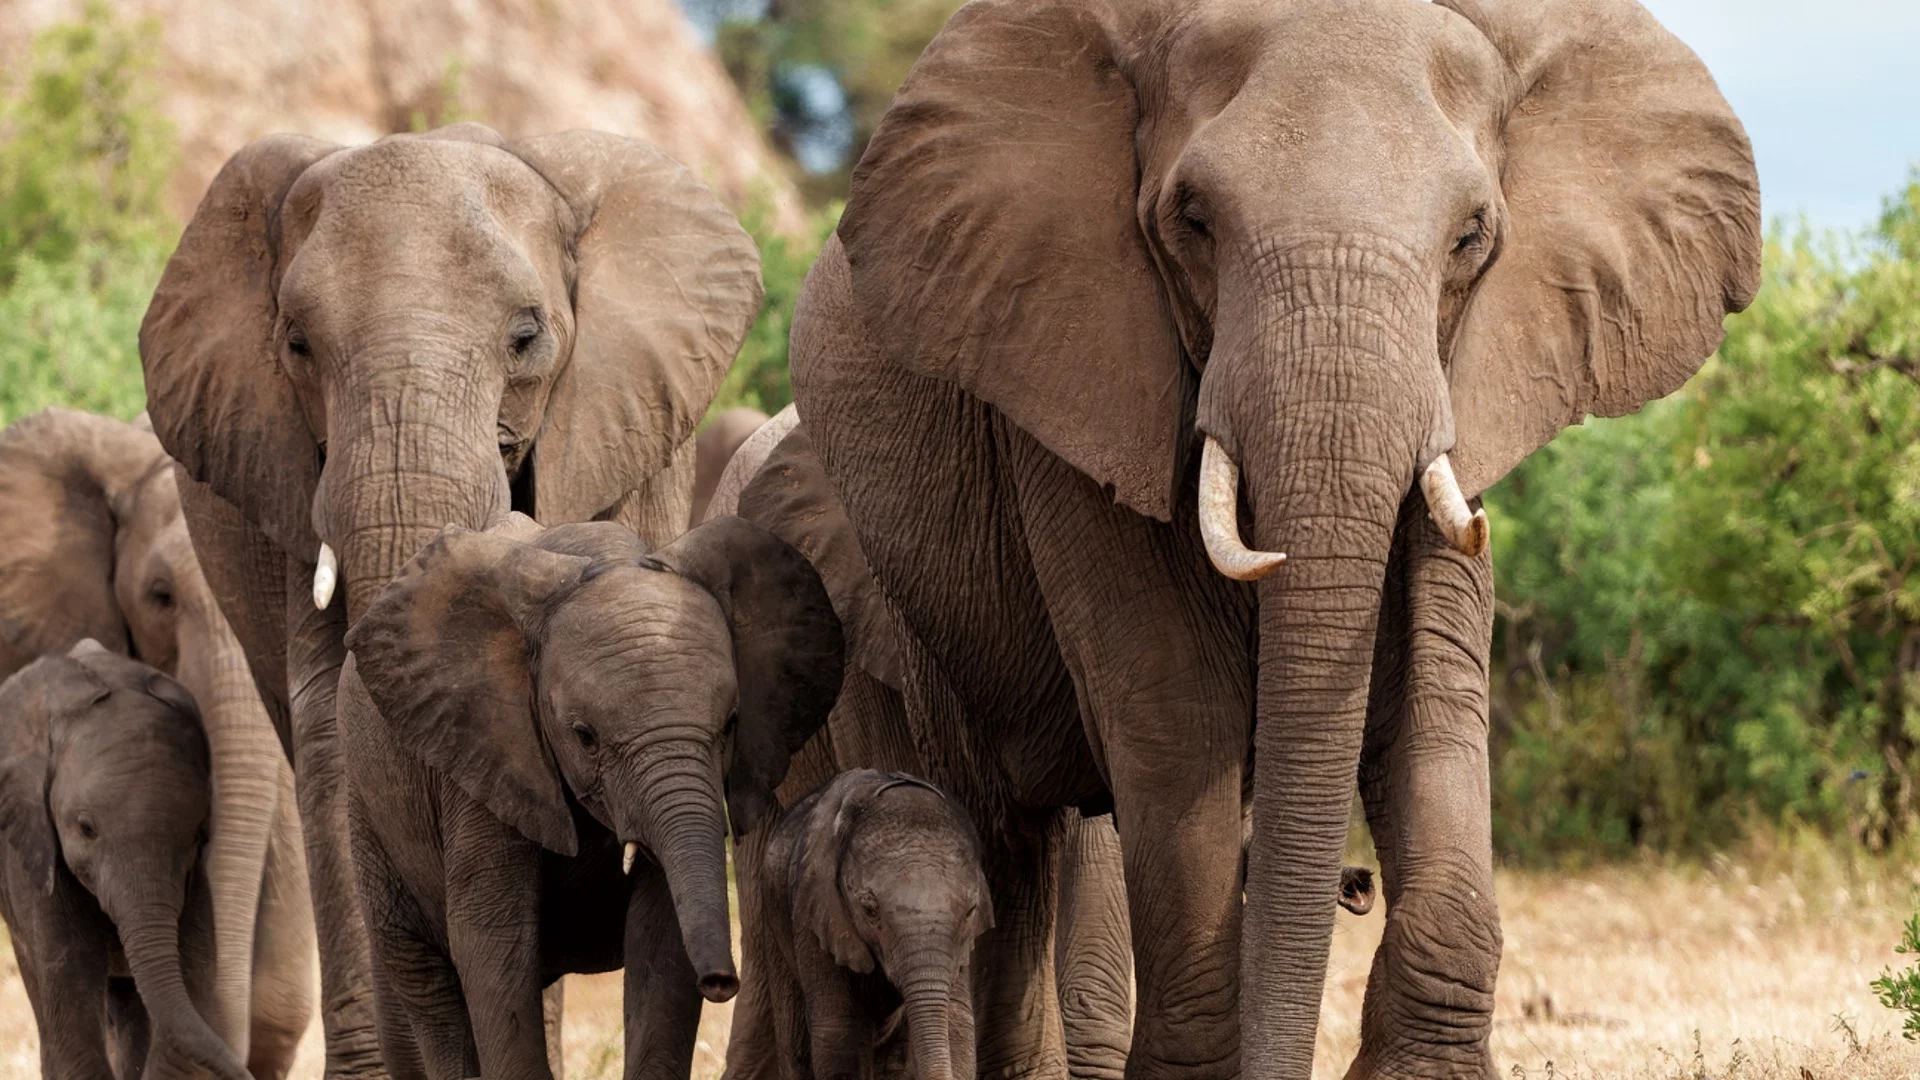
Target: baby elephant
(104, 804)
(876, 895)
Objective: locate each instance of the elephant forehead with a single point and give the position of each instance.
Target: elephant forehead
(627, 610)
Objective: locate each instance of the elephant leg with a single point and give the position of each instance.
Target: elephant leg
(315, 652)
(1093, 951)
(132, 1033)
(283, 946)
(1017, 1008)
(493, 936)
(1155, 644)
(662, 1005)
(1429, 1003)
(752, 1043)
(60, 945)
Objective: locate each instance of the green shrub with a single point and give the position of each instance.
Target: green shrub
(1900, 990)
(84, 160)
(759, 375)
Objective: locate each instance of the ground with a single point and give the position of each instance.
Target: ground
(1620, 973)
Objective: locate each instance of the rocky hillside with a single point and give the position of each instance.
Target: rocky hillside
(353, 70)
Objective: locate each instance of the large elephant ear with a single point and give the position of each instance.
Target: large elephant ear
(443, 653)
(50, 686)
(993, 241)
(64, 475)
(667, 284)
(1633, 213)
(788, 650)
(219, 400)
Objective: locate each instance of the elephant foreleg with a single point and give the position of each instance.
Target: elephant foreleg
(315, 652)
(493, 936)
(1093, 952)
(282, 988)
(1424, 777)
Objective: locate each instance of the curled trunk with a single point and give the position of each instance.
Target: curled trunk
(150, 935)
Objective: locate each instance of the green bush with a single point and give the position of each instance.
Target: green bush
(1709, 614)
(1900, 990)
(759, 375)
(84, 159)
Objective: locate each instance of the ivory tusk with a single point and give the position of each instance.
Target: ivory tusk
(1220, 519)
(326, 574)
(626, 857)
(1465, 529)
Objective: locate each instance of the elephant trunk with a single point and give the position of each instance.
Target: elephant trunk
(925, 981)
(1329, 409)
(683, 824)
(246, 760)
(150, 935)
(415, 454)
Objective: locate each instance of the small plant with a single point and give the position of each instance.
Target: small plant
(1900, 990)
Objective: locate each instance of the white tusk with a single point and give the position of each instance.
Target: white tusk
(1220, 519)
(626, 857)
(1465, 529)
(326, 573)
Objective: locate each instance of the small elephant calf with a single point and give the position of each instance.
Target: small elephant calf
(875, 894)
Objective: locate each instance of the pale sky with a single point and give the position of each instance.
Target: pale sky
(1829, 91)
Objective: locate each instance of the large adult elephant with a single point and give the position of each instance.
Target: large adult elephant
(354, 347)
(1100, 257)
(96, 548)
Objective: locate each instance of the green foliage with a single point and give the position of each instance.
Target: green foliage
(1900, 990)
(84, 160)
(759, 374)
(1710, 617)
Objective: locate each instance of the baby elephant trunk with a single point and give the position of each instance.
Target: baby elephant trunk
(151, 937)
(927, 990)
(686, 834)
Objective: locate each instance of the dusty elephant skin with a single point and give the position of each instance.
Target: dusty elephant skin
(1368, 257)
(354, 347)
(104, 809)
(97, 548)
(549, 733)
(875, 895)
(775, 480)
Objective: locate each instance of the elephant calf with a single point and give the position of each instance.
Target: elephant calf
(875, 894)
(525, 712)
(104, 804)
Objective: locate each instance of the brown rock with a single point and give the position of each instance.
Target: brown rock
(353, 70)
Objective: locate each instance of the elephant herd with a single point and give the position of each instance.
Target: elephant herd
(1023, 672)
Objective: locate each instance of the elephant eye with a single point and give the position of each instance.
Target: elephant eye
(526, 331)
(87, 829)
(1475, 232)
(162, 594)
(584, 733)
(298, 345)
(870, 904)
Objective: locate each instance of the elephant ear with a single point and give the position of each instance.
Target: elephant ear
(64, 476)
(791, 497)
(667, 284)
(443, 653)
(993, 242)
(218, 397)
(818, 903)
(50, 686)
(788, 650)
(1633, 228)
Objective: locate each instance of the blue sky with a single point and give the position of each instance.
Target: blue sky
(1829, 91)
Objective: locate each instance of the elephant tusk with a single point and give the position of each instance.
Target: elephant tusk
(626, 857)
(326, 573)
(1220, 519)
(1465, 529)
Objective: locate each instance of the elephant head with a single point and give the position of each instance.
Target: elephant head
(887, 873)
(666, 691)
(1358, 253)
(97, 548)
(359, 346)
(104, 780)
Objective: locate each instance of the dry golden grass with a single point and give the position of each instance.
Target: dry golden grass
(1634, 973)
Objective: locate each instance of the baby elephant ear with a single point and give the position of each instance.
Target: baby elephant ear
(28, 702)
(442, 652)
(818, 904)
(788, 650)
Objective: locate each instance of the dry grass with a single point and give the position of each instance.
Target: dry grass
(1629, 973)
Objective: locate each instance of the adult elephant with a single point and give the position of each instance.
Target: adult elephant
(775, 480)
(354, 347)
(96, 548)
(1103, 255)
